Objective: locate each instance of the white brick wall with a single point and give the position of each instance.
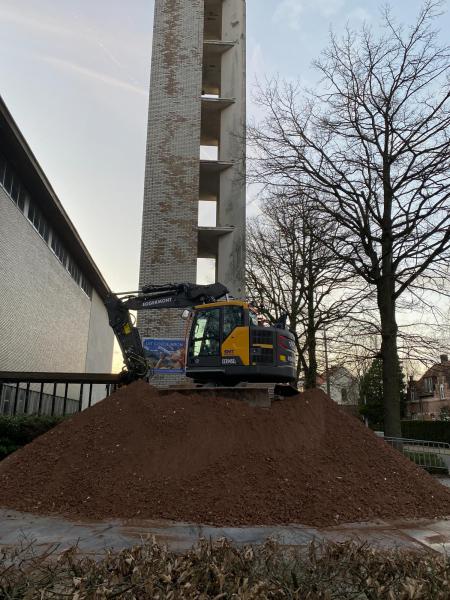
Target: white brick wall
(45, 317)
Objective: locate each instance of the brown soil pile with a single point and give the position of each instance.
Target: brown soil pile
(138, 454)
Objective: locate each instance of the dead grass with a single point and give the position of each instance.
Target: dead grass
(221, 570)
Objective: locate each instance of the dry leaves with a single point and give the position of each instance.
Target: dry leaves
(346, 571)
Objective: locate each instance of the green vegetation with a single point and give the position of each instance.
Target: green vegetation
(18, 431)
(436, 431)
(371, 395)
(329, 572)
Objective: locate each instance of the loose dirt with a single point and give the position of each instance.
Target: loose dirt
(140, 455)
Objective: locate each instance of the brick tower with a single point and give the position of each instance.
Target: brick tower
(194, 195)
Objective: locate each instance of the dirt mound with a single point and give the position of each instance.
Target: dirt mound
(138, 454)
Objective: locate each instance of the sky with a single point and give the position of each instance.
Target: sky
(75, 75)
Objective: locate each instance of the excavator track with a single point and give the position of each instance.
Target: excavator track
(260, 395)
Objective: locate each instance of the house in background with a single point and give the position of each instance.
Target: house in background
(429, 397)
(344, 389)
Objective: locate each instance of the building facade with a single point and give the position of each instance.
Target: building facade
(344, 388)
(52, 315)
(194, 195)
(429, 397)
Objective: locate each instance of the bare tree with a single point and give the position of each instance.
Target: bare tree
(289, 271)
(373, 149)
(423, 334)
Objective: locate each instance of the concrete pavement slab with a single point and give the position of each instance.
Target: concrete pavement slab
(95, 537)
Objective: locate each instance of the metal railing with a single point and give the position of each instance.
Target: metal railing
(55, 394)
(425, 453)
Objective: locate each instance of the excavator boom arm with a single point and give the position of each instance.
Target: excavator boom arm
(183, 295)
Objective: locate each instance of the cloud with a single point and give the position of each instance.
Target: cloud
(92, 74)
(290, 12)
(256, 60)
(359, 14)
(34, 22)
(327, 8)
(67, 23)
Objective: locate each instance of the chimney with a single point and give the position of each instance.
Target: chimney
(444, 358)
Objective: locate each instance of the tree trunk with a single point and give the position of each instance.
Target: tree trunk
(389, 355)
(311, 371)
(386, 306)
(301, 363)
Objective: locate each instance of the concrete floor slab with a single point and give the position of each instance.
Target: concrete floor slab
(433, 536)
(382, 539)
(17, 528)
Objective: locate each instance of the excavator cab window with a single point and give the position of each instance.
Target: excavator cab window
(206, 338)
(253, 318)
(233, 316)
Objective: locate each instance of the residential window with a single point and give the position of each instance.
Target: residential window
(429, 384)
(2, 169)
(21, 199)
(15, 189)
(442, 391)
(86, 286)
(59, 250)
(18, 193)
(11, 184)
(8, 179)
(40, 224)
(413, 395)
(344, 395)
(74, 270)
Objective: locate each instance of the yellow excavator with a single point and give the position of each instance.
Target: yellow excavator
(226, 344)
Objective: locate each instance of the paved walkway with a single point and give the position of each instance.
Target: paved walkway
(93, 538)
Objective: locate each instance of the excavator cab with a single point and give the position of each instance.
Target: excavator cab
(227, 344)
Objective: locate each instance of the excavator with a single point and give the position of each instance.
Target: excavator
(226, 347)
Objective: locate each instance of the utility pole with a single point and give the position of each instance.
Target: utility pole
(327, 374)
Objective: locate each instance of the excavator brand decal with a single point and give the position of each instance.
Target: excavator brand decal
(150, 303)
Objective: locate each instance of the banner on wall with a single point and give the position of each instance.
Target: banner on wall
(165, 355)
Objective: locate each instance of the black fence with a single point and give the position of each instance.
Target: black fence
(54, 394)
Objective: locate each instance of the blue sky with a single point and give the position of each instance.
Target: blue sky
(75, 76)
